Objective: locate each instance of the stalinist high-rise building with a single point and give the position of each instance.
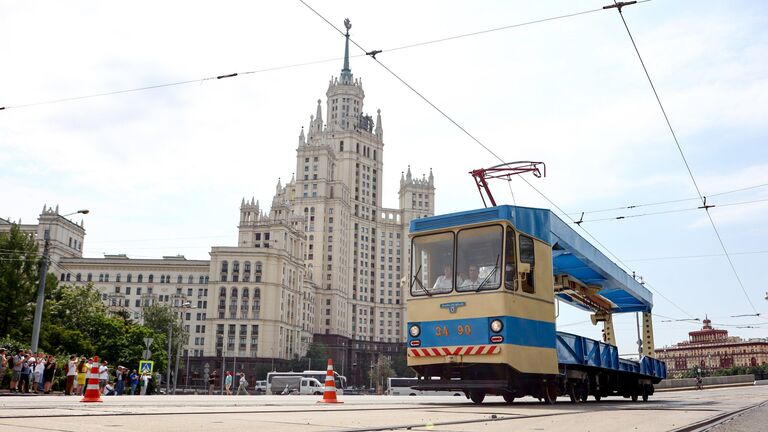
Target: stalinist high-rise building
(356, 250)
(325, 263)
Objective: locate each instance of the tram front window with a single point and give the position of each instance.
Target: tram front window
(479, 256)
(432, 265)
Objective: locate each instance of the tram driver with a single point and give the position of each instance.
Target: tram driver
(445, 280)
(473, 280)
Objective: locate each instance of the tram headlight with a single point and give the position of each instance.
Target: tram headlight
(496, 325)
(415, 331)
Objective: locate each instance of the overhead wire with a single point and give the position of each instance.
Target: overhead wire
(630, 216)
(372, 54)
(290, 66)
(682, 155)
(634, 206)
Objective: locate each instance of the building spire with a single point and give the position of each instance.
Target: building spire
(346, 73)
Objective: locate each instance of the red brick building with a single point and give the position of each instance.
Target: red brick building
(712, 349)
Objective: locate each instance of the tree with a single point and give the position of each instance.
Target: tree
(159, 317)
(381, 371)
(19, 269)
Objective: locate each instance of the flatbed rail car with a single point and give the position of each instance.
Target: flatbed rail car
(481, 312)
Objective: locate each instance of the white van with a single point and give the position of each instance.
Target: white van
(291, 385)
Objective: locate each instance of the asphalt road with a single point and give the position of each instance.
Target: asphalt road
(667, 411)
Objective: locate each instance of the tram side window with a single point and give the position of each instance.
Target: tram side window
(432, 264)
(510, 259)
(527, 256)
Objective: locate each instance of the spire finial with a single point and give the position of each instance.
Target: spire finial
(346, 73)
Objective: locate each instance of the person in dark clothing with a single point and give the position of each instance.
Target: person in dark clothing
(48, 373)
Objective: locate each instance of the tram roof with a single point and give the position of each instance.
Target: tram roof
(572, 254)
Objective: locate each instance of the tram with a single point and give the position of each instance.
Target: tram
(481, 311)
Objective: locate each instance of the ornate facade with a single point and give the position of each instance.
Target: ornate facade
(711, 349)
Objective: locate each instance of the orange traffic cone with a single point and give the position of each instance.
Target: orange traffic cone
(92, 392)
(329, 396)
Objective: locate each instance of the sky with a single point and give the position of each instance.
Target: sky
(163, 171)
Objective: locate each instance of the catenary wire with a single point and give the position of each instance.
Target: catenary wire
(685, 161)
(295, 65)
(634, 206)
(449, 118)
(621, 217)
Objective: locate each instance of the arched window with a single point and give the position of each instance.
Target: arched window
(222, 301)
(233, 303)
(162, 278)
(118, 277)
(68, 277)
(179, 279)
(141, 278)
(257, 272)
(200, 281)
(224, 267)
(256, 303)
(235, 266)
(244, 304)
(190, 280)
(167, 278)
(151, 278)
(77, 277)
(247, 266)
(129, 278)
(90, 277)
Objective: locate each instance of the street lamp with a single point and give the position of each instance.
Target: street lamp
(41, 285)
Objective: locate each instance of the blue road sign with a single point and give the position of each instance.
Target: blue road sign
(146, 366)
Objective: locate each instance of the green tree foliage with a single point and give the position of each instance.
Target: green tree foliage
(19, 269)
(381, 371)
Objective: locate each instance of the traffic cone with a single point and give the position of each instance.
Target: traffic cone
(92, 392)
(329, 396)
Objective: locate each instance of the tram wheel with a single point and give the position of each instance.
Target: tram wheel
(584, 391)
(634, 397)
(508, 398)
(645, 393)
(549, 393)
(573, 393)
(597, 397)
(477, 396)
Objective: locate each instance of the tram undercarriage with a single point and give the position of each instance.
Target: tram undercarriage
(478, 380)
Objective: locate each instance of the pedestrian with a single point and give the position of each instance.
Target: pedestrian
(26, 370)
(82, 373)
(228, 384)
(18, 361)
(70, 370)
(109, 389)
(48, 374)
(134, 378)
(243, 386)
(212, 381)
(3, 366)
(119, 384)
(103, 375)
(145, 383)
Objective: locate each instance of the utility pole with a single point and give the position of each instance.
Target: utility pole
(40, 293)
(170, 359)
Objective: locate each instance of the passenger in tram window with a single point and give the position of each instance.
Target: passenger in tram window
(473, 281)
(445, 280)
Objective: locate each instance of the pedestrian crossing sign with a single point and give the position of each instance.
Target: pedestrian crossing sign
(146, 366)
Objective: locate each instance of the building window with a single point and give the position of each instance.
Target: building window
(141, 278)
(151, 278)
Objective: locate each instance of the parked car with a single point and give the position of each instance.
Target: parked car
(260, 387)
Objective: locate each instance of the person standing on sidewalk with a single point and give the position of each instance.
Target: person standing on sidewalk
(71, 372)
(48, 373)
(119, 384)
(82, 373)
(134, 380)
(3, 366)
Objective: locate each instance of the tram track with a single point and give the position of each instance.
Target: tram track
(709, 423)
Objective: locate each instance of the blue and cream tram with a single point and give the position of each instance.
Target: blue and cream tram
(481, 311)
